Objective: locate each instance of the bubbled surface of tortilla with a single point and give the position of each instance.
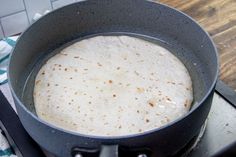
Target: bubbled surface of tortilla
(112, 86)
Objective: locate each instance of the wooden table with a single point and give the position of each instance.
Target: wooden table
(218, 17)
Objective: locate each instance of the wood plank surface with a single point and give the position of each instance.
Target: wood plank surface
(218, 17)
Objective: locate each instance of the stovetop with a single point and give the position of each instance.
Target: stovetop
(220, 130)
(218, 137)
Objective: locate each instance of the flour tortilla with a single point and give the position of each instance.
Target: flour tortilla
(112, 86)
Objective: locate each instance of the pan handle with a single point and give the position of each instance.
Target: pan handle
(109, 151)
(105, 151)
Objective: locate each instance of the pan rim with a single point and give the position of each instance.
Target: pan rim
(96, 137)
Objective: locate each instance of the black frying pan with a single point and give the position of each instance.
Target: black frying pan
(173, 29)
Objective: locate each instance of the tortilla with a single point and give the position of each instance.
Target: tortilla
(112, 86)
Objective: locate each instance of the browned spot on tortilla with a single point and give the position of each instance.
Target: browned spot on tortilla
(43, 73)
(147, 120)
(76, 93)
(90, 102)
(65, 69)
(48, 84)
(56, 85)
(114, 95)
(151, 104)
(120, 127)
(187, 88)
(57, 107)
(138, 111)
(99, 64)
(37, 82)
(110, 81)
(186, 103)
(167, 98)
(118, 68)
(152, 74)
(53, 69)
(59, 65)
(76, 56)
(136, 73)
(167, 119)
(71, 78)
(140, 90)
(85, 69)
(140, 130)
(76, 70)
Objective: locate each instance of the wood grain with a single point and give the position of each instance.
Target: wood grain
(218, 17)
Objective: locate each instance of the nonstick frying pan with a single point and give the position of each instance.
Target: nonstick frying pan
(157, 22)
